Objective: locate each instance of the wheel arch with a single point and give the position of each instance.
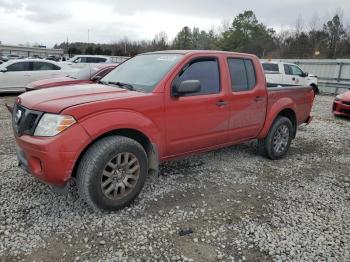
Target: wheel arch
(284, 107)
(150, 148)
(290, 114)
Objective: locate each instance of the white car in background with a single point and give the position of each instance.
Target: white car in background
(15, 75)
(288, 74)
(80, 61)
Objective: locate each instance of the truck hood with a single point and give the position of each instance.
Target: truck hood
(56, 99)
(49, 82)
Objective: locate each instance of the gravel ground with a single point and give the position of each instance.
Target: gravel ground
(240, 206)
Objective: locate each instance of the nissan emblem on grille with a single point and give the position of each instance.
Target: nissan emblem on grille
(18, 116)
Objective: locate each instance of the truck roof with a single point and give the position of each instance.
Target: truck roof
(185, 52)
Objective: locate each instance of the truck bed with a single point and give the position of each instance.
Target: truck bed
(300, 97)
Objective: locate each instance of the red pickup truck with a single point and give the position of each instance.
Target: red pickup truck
(152, 108)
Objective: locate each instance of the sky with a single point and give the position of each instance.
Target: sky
(48, 22)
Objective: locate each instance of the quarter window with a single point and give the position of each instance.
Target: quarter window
(20, 66)
(207, 72)
(242, 74)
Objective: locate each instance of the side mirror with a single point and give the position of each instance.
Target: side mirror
(3, 70)
(304, 74)
(187, 87)
(96, 78)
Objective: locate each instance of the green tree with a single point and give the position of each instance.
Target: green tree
(183, 40)
(334, 29)
(90, 50)
(246, 34)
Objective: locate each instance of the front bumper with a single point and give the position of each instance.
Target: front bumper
(52, 159)
(340, 109)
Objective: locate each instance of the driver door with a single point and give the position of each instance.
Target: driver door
(197, 120)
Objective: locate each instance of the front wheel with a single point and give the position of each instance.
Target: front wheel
(276, 144)
(112, 172)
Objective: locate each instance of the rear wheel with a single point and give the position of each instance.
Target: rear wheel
(112, 172)
(276, 144)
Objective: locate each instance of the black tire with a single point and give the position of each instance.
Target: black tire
(267, 146)
(315, 89)
(97, 159)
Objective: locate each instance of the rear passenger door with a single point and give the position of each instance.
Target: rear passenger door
(197, 120)
(248, 99)
(42, 70)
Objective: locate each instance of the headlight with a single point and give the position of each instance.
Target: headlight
(337, 98)
(51, 124)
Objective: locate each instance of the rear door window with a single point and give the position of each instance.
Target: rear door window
(96, 60)
(287, 70)
(242, 74)
(43, 66)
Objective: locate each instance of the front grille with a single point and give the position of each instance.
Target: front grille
(346, 103)
(24, 120)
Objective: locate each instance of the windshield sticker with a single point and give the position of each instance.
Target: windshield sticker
(167, 58)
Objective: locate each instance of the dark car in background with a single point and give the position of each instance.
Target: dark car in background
(88, 74)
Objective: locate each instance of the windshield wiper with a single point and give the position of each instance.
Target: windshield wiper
(120, 84)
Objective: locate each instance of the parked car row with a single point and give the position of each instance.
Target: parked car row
(15, 75)
(87, 75)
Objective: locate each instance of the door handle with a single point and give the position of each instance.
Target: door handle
(293, 78)
(221, 103)
(258, 98)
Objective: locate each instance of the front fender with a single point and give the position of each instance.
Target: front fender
(105, 122)
(273, 111)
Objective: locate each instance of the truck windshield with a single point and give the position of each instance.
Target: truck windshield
(143, 71)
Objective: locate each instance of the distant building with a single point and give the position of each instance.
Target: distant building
(30, 51)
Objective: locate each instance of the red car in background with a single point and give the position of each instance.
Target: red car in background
(87, 75)
(341, 105)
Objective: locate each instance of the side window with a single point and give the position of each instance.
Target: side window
(40, 66)
(270, 67)
(96, 60)
(242, 74)
(207, 72)
(296, 70)
(287, 69)
(20, 66)
(81, 60)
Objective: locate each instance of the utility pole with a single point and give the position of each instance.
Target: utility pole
(88, 35)
(67, 47)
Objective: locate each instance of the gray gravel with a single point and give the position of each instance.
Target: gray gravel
(240, 206)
